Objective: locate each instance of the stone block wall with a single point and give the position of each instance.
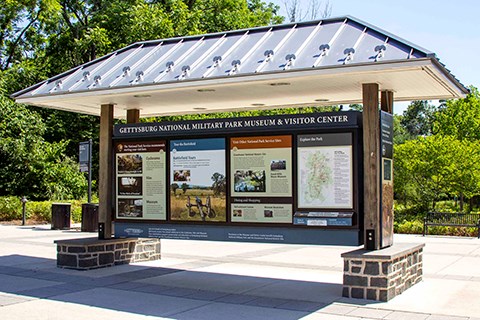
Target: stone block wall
(382, 274)
(91, 253)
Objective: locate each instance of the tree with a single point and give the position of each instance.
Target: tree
(314, 10)
(219, 185)
(184, 187)
(23, 26)
(28, 164)
(418, 118)
(400, 133)
(435, 167)
(42, 38)
(356, 107)
(174, 187)
(460, 118)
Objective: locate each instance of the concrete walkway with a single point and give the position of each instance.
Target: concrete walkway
(217, 280)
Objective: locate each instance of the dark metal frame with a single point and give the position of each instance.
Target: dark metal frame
(447, 219)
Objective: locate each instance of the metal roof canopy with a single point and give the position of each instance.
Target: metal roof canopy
(321, 62)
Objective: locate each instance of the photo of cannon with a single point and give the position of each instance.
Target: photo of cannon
(205, 210)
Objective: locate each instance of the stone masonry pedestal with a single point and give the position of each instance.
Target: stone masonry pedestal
(92, 253)
(382, 274)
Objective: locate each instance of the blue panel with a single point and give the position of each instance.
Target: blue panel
(345, 222)
(198, 144)
(297, 235)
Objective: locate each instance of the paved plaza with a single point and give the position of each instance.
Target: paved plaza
(219, 280)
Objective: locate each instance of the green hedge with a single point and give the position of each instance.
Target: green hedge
(11, 209)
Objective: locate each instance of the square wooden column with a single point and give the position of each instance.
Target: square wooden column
(105, 183)
(371, 165)
(133, 116)
(387, 101)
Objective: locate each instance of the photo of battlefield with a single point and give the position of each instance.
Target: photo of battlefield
(190, 202)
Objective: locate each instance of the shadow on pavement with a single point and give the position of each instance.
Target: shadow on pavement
(166, 292)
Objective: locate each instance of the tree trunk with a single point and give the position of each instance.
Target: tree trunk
(461, 202)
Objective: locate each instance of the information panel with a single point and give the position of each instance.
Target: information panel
(197, 180)
(386, 123)
(325, 171)
(140, 180)
(261, 179)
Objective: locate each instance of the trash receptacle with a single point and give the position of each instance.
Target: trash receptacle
(61, 216)
(89, 217)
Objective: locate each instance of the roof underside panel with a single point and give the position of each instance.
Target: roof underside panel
(266, 52)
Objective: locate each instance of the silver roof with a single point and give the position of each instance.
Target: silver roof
(282, 49)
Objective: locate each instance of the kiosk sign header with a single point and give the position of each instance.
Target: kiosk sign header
(246, 124)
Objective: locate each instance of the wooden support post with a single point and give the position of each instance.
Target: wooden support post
(371, 165)
(133, 116)
(387, 101)
(105, 186)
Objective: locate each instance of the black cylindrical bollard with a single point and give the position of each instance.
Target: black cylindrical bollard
(24, 213)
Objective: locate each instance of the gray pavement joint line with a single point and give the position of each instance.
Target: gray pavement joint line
(449, 265)
(172, 314)
(260, 253)
(466, 255)
(259, 287)
(254, 262)
(451, 277)
(371, 309)
(33, 243)
(429, 315)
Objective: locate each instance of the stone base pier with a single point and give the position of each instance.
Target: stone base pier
(382, 274)
(92, 253)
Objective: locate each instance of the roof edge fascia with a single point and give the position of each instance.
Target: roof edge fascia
(459, 89)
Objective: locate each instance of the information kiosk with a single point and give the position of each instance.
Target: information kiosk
(284, 179)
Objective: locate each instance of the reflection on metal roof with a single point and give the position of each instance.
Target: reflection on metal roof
(273, 49)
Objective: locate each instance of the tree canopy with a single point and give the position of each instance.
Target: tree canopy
(60, 34)
(42, 38)
(460, 118)
(437, 154)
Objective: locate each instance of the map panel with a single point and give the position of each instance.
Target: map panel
(325, 175)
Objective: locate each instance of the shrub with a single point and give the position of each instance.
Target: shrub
(409, 227)
(10, 208)
(39, 210)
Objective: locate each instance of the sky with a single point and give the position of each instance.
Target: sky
(448, 28)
